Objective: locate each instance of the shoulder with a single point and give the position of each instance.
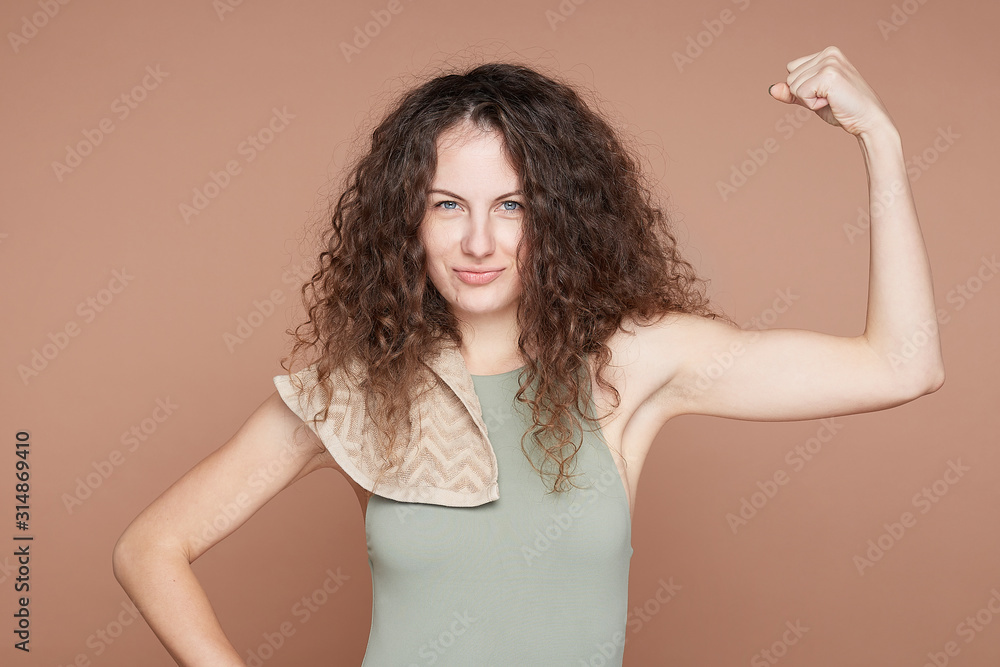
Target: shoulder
(686, 332)
(664, 340)
(278, 419)
(649, 356)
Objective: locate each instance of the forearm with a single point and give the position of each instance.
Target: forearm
(901, 323)
(164, 588)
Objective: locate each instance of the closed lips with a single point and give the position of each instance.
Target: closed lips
(478, 277)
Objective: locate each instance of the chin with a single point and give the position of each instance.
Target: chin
(483, 309)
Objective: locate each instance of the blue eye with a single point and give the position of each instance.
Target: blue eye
(442, 204)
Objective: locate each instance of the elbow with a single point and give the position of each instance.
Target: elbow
(931, 383)
(140, 549)
(934, 378)
(937, 381)
(915, 388)
(122, 557)
(130, 554)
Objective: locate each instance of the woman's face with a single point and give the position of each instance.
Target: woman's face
(472, 226)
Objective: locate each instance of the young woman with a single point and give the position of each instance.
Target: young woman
(500, 324)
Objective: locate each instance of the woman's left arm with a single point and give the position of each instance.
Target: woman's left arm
(901, 324)
(901, 311)
(783, 374)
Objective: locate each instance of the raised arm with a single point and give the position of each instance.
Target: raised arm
(689, 364)
(901, 325)
(152, 558)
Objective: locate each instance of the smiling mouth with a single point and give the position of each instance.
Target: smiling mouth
(478, 277)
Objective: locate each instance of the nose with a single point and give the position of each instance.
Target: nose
(477, 238)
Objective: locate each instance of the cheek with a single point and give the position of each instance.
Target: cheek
(434, 263)
(521, 257)
(433, 260)
(430, 250)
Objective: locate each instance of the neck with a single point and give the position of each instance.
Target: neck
(489, 345)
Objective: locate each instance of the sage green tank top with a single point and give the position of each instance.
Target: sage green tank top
(529, 579)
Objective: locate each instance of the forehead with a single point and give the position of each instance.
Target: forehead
(470, 157)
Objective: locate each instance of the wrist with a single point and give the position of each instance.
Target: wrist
(884, 134)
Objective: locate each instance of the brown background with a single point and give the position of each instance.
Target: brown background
(163, 335)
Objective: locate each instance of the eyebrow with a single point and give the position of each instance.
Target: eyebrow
(452, 194)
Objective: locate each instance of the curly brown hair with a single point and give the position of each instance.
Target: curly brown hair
(599, 252)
